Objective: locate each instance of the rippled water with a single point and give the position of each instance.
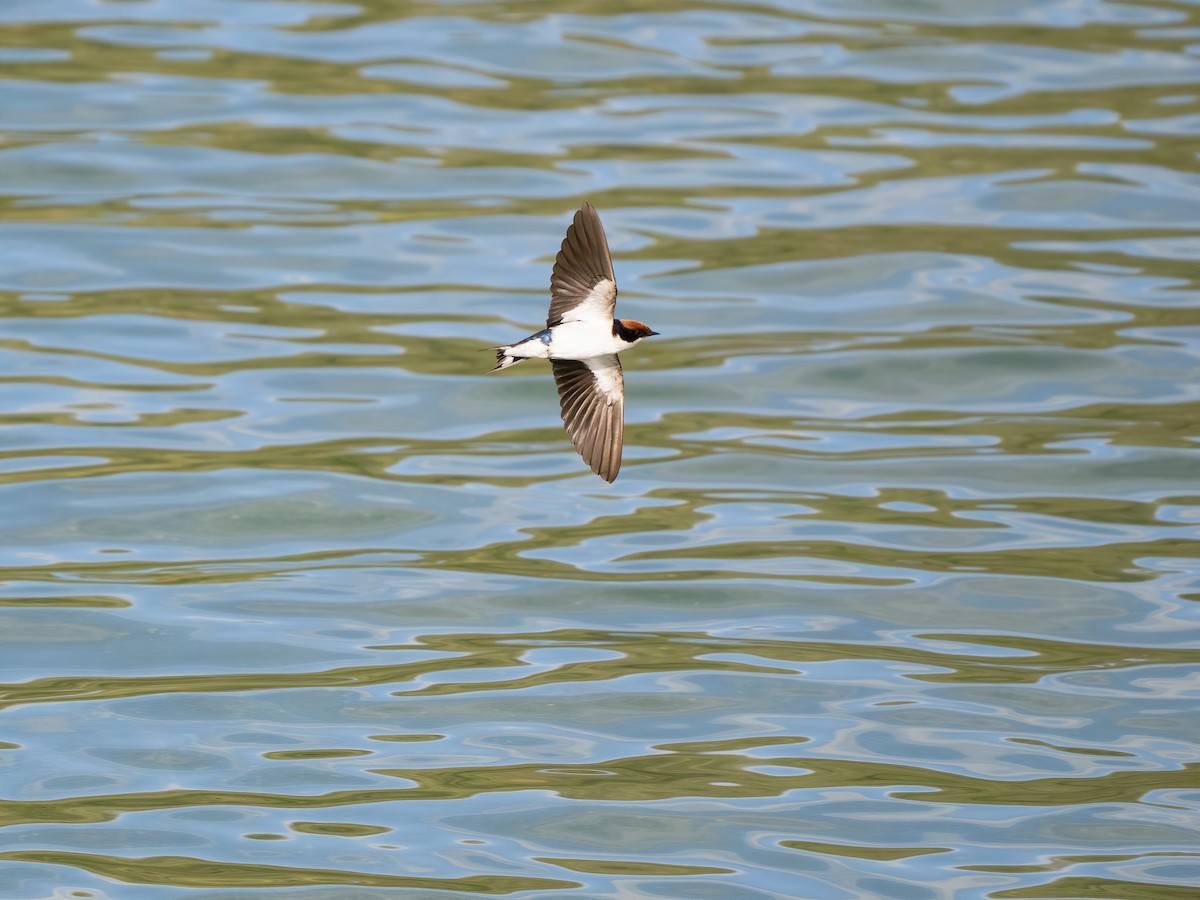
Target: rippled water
(896, 595)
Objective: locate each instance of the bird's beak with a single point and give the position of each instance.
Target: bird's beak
(651, 334)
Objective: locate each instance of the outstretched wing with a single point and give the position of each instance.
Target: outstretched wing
(583, 287)
(591, 393)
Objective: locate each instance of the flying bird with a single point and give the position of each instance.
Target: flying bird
(582, 339)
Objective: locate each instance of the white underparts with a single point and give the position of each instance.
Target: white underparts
(571, 340)
(531, 348)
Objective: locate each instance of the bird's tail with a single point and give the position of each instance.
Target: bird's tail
(503, 360)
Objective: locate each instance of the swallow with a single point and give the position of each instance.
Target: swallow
(582, 339)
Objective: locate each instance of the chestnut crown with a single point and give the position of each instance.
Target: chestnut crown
(631, 329)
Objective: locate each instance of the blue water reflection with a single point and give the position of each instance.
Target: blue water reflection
(894, 597)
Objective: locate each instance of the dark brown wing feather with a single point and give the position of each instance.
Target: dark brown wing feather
(593, 409)
(581, 264)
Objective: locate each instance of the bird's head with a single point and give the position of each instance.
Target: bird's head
(632, 330)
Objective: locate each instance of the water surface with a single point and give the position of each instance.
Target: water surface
(895, 595)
